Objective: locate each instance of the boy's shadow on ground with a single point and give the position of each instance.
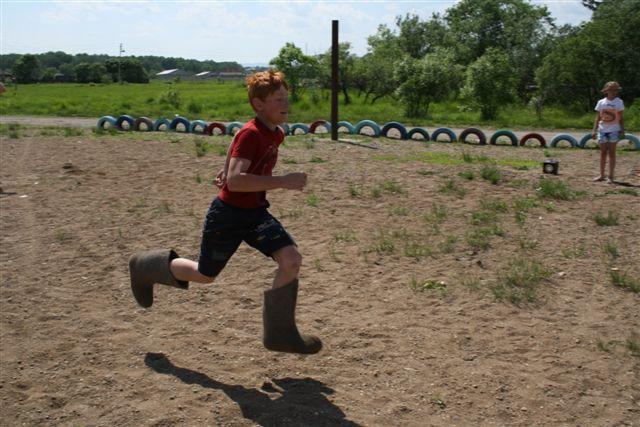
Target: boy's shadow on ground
(296, 401)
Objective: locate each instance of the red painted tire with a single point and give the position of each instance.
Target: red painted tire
(318, 123)
(216, 125)
(537, 136)
(482, 138)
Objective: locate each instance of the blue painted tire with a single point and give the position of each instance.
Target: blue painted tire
(143, 120)
(449, 132)
(419, 131)
(317, 124)
(304, 128)
(285, 128)
(180, 121)
(563, 137)
(512, 137)
(128, 119)
(634, 139)
(397, 126)
(367, 123)
(585, 140)
(482, 138)
(106, 120)
(348, 125)
(233, 125)
(161, 122)
(198, 123)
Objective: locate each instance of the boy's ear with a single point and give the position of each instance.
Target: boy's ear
(257, 104)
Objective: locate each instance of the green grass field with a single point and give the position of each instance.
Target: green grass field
(227, 101)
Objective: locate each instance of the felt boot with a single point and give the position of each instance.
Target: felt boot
(147, 268)
(280, 331)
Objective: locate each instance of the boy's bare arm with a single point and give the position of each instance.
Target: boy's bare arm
(240, 181)
(621, 125)
(595, 126)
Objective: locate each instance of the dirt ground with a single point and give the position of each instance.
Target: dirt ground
(408, 304)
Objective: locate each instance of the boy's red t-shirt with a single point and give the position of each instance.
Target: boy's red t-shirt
(258, 143)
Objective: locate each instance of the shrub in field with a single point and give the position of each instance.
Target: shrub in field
(556, 189)
(451, 187)
(604, 221)
(520, 280)
(625, 281)
(491, 174)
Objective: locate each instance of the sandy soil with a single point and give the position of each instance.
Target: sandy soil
(76, 350)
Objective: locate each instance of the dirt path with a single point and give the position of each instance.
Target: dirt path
(373, 226)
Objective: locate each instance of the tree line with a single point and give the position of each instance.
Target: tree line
(85, 68)
(485, 53)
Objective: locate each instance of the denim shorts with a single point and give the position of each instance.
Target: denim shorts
(604, 137)
(226, 226)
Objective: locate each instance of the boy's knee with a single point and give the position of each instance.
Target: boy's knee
(290, 260)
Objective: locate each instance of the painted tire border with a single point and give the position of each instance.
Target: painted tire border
(173, 126)
(563, 137)
(106, 119)
(304, 128)
(216, 125)
(125, 118)
(201, 123)
(160, 122)
(397, 126)
(473, 131)
(533, 135)
(318, 123)
(141, 120)
(504, 132)
(367, 123)
(231, 126)
(346, 124)
(419, 131)
(447, 131)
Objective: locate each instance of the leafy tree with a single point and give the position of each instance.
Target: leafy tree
(27, 69)
(518, 28)
(417, 38)
(67, 70)
(297, 67)
(48, 75)
(591, 4)
(90, 73)
(489, 82)
(422, 81)
(604, 49)
(346, 64)
(130, 69)
(376, 68)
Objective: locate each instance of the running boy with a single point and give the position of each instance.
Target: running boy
(239, 213)
(610, 124)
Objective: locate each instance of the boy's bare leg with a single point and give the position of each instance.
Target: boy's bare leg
(289, 261)
(612, 160)
(187, 270)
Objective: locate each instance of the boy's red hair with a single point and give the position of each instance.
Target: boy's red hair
(264, 83)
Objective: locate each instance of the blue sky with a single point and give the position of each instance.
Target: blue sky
(242, 31)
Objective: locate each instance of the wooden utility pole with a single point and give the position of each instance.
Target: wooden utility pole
(335, 50)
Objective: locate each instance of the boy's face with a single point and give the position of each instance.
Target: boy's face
(275, 108)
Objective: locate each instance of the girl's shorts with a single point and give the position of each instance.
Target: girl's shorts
(605, 137)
